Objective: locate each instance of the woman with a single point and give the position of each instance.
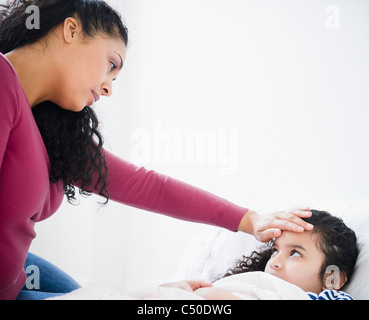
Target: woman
(49, 139)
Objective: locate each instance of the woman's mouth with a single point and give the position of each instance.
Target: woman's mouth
(95, 96)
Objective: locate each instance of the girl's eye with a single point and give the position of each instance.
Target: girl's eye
(274, 251)
(295, 253)
(113, 66)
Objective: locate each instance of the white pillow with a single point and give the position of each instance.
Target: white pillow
(358, 287)
(356, 216)
(212, 252)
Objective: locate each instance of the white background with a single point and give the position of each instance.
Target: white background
(288, 78)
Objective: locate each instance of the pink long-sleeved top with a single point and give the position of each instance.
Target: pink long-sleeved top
(27, 196)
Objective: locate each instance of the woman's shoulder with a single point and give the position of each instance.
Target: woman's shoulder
(6, 69)
(11, 91)
(9, 82)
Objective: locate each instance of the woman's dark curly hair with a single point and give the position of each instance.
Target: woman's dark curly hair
(337, 242)
(72, 139)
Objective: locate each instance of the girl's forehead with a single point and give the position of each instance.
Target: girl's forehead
(289, 238)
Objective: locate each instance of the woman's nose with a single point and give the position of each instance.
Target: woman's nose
(106, 90)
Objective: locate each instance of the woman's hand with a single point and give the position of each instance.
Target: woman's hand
(188, 285)
(269, 226)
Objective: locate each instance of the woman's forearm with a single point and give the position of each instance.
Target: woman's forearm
(149, 190)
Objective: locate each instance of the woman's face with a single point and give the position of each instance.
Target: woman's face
(85, 69)
(297, 259)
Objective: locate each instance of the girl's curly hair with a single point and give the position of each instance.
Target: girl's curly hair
(256, 261)
(337, 242)
(72, 139)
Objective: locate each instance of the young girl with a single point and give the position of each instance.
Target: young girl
(50, 76)
(320, 261)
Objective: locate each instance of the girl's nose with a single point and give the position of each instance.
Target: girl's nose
(276, 263)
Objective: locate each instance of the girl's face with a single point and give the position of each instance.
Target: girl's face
(85, 68)
(297, 259)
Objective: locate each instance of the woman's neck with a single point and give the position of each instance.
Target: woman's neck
(33, 67)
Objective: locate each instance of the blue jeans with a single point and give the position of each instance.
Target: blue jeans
(49, 281)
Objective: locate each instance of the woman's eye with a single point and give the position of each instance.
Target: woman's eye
(112, 66)
(295, 253)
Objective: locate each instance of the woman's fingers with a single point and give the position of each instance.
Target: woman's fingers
(291, 220)
(269, 226)
(268, 234)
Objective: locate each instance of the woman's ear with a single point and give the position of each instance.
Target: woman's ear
(71, 29)
(334, 278)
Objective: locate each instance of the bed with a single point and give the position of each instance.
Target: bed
(214, 250)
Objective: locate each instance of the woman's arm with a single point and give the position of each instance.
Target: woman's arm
(149, 190)
(152, 191)
(9, 104)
